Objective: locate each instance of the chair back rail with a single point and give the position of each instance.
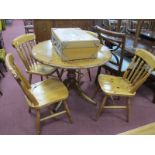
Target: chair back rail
(28, 22)
(115, 41)
(24, 45)
(141, 66)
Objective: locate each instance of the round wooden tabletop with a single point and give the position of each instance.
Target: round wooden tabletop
(45, 53)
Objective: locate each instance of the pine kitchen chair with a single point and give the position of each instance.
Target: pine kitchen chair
(41, 95)
(28, 25)
(24, 45)
(141, 66)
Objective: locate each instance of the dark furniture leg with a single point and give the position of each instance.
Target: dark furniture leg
(88, 70)
(98, 72)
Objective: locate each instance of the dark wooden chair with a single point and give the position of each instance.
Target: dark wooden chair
(28, 25)
(116, 43)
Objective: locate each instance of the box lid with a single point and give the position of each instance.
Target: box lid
(75, 37)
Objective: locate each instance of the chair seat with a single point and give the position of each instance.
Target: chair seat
(41, 69)
(115, 86)
(2, 54)
(49, 91)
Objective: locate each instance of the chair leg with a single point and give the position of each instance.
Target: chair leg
(30, 78)
(101, 107)
(68, 111)
(128, 109)
(41, 77)
(88, 70)
(98, 72)
(38, 122)
(79, 75)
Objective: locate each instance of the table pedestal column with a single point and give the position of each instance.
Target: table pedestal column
(72, 83)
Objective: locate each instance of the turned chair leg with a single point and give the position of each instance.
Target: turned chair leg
(128, 109)
(101, 107)
(68, 111)
(38, 122)
(30, 78)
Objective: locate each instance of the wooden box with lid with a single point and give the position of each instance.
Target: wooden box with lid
(74, 43)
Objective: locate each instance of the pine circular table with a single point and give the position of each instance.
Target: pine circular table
(45, 53)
